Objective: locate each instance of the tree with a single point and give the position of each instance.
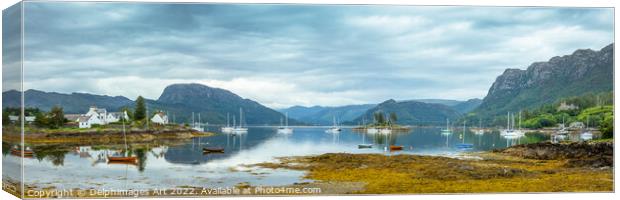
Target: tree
(140, 111)
(41, 120)
(393, 117)
(5, 118)
(379, 118)
(607, 127)
(56, 117)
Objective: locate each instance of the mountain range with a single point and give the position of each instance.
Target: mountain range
(409, 111)
(178, 100)
(584, 71)
(321, 115)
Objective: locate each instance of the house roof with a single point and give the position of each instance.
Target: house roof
(117, 114)
(72, 117)
(83, 118)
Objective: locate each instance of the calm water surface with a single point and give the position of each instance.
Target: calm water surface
(162, 166)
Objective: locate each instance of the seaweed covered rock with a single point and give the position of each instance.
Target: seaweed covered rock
(578, 154)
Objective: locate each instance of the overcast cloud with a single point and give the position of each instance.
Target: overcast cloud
(284, 55)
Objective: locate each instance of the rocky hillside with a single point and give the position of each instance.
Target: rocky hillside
(584, 71)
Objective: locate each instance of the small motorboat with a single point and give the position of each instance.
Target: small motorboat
(465, 146)
(364, 146)
(26, 153)
(122, 159)
(213, 150)
(396, 148)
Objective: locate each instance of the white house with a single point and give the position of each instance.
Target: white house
(160, 118)
(116, 116)
(13, 118)
(99, 113)
(578, 125)
(30, 119)
(564, 106)
(86, 121)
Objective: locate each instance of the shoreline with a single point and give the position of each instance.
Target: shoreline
(94, 136)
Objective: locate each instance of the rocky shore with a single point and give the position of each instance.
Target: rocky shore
(542, 167)
(577, 154)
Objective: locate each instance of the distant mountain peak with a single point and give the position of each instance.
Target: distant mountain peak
(182, 92)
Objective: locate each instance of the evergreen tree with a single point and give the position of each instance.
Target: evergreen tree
(140, 111)
(56, 117)
(393, 118)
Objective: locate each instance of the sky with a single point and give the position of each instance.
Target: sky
(285, 55)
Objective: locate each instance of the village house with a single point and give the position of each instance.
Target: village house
(28, 119)
(563, 106)
(160, 118)
(116, 116)
(576, 125)
(96, 116)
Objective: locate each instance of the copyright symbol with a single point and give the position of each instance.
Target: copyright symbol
(81, 192)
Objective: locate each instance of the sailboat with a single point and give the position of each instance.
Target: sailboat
(240, 128)
(510, 131)
(562, 130)
(464, 145)
(334, 128)
(285, 129)
(227, 128)
(480, 131)
(385, 131)
(447, 130)
(122, 158)
(587, 135)
(196, 126)
(371, 130)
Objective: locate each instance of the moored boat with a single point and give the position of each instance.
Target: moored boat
(122, 159)
(26, 153)
(385, 131)
(372, 130)
(285, 129)
(213, 150)
(396, 147)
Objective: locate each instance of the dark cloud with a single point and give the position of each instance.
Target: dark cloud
(310, 54)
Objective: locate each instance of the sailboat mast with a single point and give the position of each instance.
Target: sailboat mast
(124, 134)
(286, 119)
(519, 120)
(464, 132)
(508, 122)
